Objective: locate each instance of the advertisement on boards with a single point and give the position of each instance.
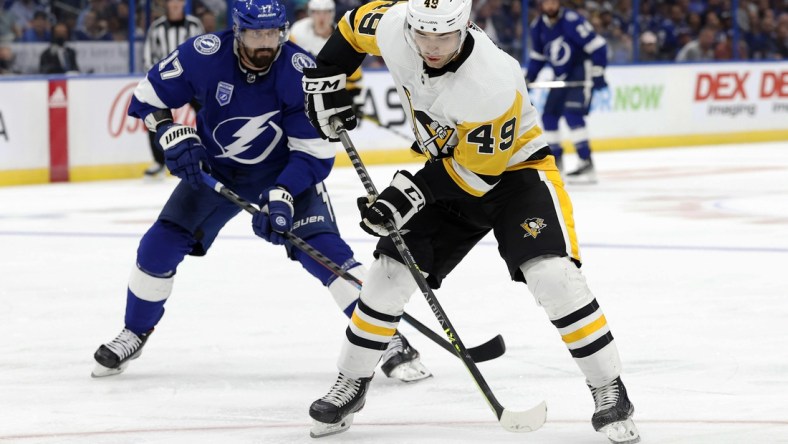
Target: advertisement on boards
(24, 125)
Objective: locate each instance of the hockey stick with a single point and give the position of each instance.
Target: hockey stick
(524, 421)
(551, 84)
(491, 349)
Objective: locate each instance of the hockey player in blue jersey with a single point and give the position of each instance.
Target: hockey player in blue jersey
(567, 42)
(252, 134)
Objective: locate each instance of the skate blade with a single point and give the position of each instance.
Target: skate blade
(581, 180)
(321, 429)
(99, 371)
(412, 371)
(621, 432)
(154, 178)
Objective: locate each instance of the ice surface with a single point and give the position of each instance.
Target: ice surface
(685, 249)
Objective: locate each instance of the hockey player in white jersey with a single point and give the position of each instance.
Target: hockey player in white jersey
(489, 169)
(312, 33)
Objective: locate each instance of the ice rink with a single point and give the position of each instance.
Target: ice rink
(685, 249)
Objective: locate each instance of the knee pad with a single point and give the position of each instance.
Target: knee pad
(346, 293)
(557, 285)
(163, 247)
(388, 287)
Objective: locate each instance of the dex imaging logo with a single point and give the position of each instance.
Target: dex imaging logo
(533, 227)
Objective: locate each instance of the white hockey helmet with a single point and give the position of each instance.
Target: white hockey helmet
(438, 17)
(321, 5)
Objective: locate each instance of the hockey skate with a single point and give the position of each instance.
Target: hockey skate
(613, 413)
(584, 174)
(334, 412)
(113, 357)
(401, 361)
(155, 171)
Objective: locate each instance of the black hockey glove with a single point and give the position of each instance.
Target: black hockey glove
(402, 199)
(326, 97)
(184, 153)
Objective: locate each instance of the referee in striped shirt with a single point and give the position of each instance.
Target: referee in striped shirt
(164, 36)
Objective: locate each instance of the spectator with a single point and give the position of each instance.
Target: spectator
(649, 50)
(208, 19)
(6, 59)
(95, 28)
(7, 26)
(98, 7)
(23, 11)
(781, 52)
(39, 29)
(58, 58)
(700, 49)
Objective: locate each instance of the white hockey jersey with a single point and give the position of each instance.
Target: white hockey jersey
(302, 33)
(474, 112)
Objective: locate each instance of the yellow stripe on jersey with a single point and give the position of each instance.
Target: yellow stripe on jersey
(370, 328)
(354, 80)
(361, 33)
(566, 208)
(486, 147)
(586, 331)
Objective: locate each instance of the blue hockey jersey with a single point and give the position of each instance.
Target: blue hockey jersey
(250, 122)
(566, 46)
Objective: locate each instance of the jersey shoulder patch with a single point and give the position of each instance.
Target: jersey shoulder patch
(571, 16)
(301, 61)
(207, 44)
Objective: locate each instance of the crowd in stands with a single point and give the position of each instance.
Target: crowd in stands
(666, 30)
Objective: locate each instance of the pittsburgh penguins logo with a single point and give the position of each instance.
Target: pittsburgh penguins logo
(430, 134)
(533, 227)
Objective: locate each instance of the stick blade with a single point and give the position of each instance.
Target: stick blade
(526, 421)
(488, 351)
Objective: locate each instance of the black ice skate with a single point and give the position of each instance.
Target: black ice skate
(613, 413)
(584, 174)
(113, 357)
(155, 171)
(333, 413)
(401, 361)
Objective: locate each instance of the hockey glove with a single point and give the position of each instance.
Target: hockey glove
(184, 153)
(326, 97)
(402, 199)
(598, 77)
(276, 216)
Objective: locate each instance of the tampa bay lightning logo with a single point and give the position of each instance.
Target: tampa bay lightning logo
(559, 52)
(301, 61)
(247, 140)
(207, 44)
(224, 92)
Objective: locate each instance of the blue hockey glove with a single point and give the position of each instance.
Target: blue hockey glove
(598, 77)
(402, 199)
(275, 217)
(184, 153)
(326, 97)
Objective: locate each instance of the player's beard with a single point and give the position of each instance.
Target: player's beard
(259, 59)
(552, 15)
